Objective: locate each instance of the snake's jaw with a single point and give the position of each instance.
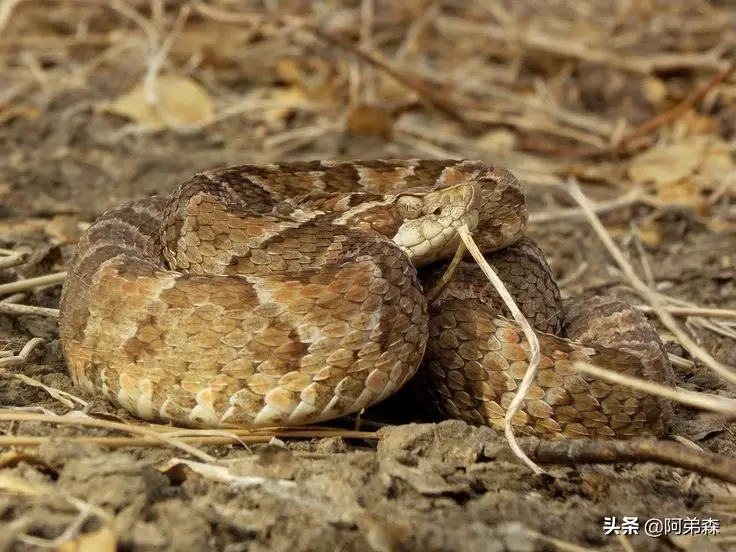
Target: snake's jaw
(434, 234)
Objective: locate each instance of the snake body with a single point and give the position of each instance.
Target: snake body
(289, 294)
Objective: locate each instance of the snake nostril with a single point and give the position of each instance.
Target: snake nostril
(437, 211)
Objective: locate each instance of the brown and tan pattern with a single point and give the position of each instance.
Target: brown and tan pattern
(476, 356)
(288, 294)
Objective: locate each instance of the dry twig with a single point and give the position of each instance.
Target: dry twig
(67, 399)
(534, 352)
(14, 259)
(642, 289)
(14, 308)
(633, 196)
(692, 311)
(435, 291)
(619, 452)
(704, 401)
(31, 283)
(626, 143)
(563, 46)
(90, 422)
(22, 356)
(423, 90)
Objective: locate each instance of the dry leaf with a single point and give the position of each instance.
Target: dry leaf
(103, 540)
(691, 124)
(649, 234)
(371, 120)
(499, 141)
(99, 541)
(63, 229)
(666, 165)
(14, 227)
(681, 172)
(289, 71)
(178, 470)
(319, 81)
(685, 192)
(721, 226)
(655, 91)
(15, 484)
(183, 103)
(391, 90)
(12, 458)
(18, 111)
(218, 48)
(273, 105)
(718, 163)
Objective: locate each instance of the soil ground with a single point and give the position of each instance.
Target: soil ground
(425, 486)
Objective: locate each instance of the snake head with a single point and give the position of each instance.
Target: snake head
(430, 219)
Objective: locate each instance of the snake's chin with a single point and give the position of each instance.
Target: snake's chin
(434, 238)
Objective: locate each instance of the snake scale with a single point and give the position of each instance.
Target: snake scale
(293, 293)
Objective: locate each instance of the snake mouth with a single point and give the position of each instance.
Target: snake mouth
(434, 235)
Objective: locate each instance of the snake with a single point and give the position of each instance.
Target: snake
(294, 293)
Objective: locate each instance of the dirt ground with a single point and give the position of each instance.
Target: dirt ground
(70, 148)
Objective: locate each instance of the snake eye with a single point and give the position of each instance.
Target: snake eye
(409, 207)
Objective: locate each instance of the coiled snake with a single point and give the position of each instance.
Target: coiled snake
(289, 294)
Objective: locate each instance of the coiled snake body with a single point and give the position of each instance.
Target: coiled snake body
(289, 294)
